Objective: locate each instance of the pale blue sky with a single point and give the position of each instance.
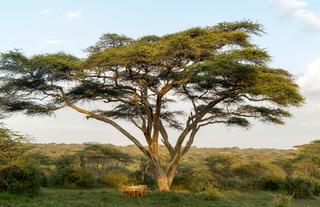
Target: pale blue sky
(293, 39)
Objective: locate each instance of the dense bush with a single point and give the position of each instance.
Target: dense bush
(316, 184)
(18, 174)
(116, 179)
(63, 169)
(72, 179)
(43, 179)
(180, 183)
(271, 183)
(148, 179)
(299, 187)
(79, 179)
(222, 169)
(184, 179)
(68, 175)
(194, 177)
(260, 175)
(20, 178)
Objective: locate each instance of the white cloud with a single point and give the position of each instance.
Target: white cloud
(52, 42)
(297, 9)
(67, 15)
(73, 15)
(310, 80)
(48, 12)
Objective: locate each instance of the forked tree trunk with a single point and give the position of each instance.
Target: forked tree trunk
(164, 180)
(163, 183)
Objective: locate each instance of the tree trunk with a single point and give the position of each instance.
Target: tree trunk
(164, 180)
(163, 183)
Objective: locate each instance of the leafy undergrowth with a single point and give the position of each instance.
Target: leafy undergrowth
(105, 198)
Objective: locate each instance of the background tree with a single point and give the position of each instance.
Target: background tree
(215, 73)
(222, 168)
(11, 146)
(100, 158)
(18, 173)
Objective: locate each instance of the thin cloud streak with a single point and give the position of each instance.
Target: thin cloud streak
(48, 12)
(67, 15)
(297, 9)
(73, 15)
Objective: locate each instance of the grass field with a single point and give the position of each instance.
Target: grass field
(105, 198)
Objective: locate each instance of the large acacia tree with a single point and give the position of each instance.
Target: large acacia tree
(216, 74)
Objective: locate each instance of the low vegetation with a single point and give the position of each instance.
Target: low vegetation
(91, 175)
(106, 198)
(18, 173)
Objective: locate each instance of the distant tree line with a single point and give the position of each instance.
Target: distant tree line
(24, 169)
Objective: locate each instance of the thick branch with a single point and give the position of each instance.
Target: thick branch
(190, 141)
(112, 123)
(197, 117)
(165, 139)
(90, 114)
(156, 125)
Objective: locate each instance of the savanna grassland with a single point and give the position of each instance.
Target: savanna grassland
(240, 177)
(107, 197)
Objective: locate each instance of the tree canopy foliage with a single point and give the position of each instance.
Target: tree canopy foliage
(216, 74)
(102, 157)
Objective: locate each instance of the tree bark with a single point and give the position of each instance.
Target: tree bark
(163, 184)
(164, 179)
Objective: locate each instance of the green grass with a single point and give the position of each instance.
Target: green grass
(106, 198)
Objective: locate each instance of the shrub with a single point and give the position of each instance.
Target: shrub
(148, 180)
(193, 177)
(43, 179)
(281, 200)
(99, 182)
(20, 178)
(299, 187)
(271, 183)
(56, 179)
(115, 179)
(260, 174)
(316, 184)
(68, 175)
(72, 179)
(181, 183)
(222, 169)
(192, 184)
(80, 179)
